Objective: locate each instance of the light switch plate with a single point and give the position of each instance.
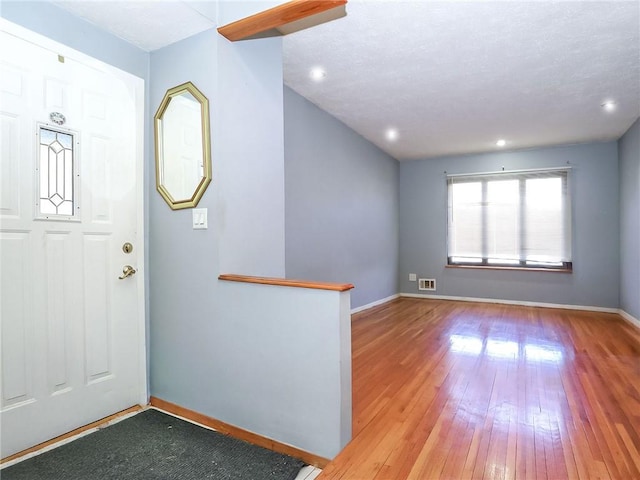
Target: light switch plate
(200, 219)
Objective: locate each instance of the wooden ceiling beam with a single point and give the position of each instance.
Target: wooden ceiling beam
(283, 19)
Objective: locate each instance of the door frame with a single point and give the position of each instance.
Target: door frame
(136, 87)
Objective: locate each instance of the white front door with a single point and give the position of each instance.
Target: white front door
(72, 332)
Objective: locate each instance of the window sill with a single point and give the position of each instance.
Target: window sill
(522, 269)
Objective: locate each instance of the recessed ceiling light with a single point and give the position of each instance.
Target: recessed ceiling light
(317, 74)
(391, 134)
(501, 143)
(609, 106)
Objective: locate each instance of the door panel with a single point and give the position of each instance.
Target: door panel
(96, 306)
(71, 331)
(59, 299)
(16, 302)
(9, 166)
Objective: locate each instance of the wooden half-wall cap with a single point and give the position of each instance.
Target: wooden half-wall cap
(283, 19)
(285, 282)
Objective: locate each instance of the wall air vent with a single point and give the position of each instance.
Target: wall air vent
(427, 284)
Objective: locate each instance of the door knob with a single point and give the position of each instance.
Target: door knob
(127, 271)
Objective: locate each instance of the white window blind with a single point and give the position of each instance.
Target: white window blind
(517, 219)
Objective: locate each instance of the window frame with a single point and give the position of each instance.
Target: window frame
(487, 262)
(75, 215)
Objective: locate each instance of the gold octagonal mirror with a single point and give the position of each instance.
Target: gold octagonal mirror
(183, 146)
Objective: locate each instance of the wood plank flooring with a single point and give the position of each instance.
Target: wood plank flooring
(457, 390)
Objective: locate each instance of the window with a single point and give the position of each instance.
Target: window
(511, 219)
(56, 174)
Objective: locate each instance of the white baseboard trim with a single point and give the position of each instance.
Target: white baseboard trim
(513, 302)
(629, 318)
(375, 304)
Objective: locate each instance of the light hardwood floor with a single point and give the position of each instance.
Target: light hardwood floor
(458, 390)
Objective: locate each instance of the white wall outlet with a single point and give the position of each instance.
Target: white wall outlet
(413, 277)
(200, 219)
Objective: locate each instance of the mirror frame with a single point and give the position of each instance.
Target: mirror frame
(206, 146)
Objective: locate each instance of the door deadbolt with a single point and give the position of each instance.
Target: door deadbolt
(127, 248)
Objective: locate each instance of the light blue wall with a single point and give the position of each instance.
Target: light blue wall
(59, 25)
(209, 353)
(187, 316)
(341, 204)
(183, 262)
(286, 371)
(595, 278)
(249, 143)
(629, 147)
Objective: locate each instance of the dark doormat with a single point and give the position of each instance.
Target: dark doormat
(152, 445)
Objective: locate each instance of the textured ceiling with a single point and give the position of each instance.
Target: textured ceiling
(148, 24)
(452, 77)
